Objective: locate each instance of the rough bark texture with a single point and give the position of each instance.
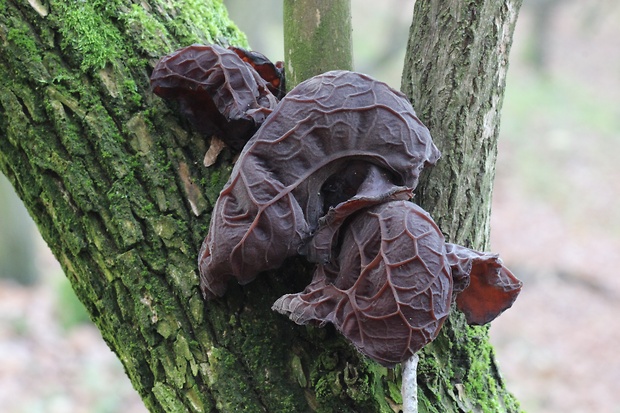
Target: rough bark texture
(455, 71)
(317, 38)
(115, 182)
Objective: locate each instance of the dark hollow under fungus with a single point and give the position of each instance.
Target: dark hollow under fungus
(327, 173)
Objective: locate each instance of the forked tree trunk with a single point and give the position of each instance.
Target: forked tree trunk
(116, 183)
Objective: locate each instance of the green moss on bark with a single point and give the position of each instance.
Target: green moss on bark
(87, 31)
(85, 155)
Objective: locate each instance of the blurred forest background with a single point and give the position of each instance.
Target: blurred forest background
(556, 222)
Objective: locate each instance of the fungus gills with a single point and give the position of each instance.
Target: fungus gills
(327, 173)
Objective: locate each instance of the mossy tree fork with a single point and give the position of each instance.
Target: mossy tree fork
(114, 179)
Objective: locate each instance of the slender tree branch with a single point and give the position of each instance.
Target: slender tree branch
(317, 38)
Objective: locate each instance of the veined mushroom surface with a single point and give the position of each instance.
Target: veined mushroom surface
(328, 173)
(326, 145)
(216, 90)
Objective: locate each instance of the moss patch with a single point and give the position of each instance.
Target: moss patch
(87, 33)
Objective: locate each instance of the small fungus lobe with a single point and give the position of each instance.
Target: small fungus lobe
(390, 288)
(327, 172)
(216, 90)
(489, 287)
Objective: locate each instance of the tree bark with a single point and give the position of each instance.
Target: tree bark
(115, 182)
(454, 73)
(317, 38)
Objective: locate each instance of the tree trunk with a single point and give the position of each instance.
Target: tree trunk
(116, 184)
(317, 38)
(454, 73)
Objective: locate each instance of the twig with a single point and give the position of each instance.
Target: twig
(410, 385)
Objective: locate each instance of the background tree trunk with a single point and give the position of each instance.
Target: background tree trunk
(115, 182)
(317, 38)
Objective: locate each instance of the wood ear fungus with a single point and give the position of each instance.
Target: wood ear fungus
(327, 173)
(216, 90)
(272, 73)
(389, 289)
(324, 147)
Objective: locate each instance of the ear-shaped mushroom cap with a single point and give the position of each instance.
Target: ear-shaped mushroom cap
(217, 91)
(326, 133)
(487, 287)
(390, 289)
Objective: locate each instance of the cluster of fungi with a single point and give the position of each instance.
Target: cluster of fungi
(327, 171)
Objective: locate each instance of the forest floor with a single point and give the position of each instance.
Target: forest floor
(51, 359)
